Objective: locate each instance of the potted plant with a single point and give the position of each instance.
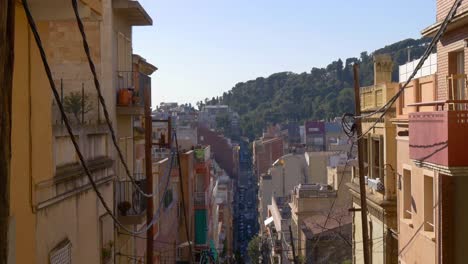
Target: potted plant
(125, 97)
(124, 207)
(106, 252)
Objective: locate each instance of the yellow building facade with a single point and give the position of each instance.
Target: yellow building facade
(379, 169)
(55, 213)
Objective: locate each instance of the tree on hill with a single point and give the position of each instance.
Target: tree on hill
(322, 93)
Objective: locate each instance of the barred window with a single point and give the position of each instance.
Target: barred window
(61, 254)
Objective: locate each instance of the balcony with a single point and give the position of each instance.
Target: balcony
(200, 199)
(373, 97)
(431, 132)
(80, 103)
(131, 204)
(131, 87)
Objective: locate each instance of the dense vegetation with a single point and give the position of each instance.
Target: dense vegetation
(322, 93)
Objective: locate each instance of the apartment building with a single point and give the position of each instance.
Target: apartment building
(315, 135)
(63, 214)
(318, 162)
(432, 180)
(266, 151)
(202, 198)
(379, 169)
(277, 232)
(415, 184)
(225, 152)
(210, 114)
(310, 205)
(285, 173)
(222, 228)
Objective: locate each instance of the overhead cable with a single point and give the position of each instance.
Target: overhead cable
(66, 121)
(102, 101)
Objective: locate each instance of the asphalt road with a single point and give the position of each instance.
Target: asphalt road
(245, 203)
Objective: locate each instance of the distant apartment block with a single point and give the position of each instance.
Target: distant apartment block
(266, 151)
(379, 159)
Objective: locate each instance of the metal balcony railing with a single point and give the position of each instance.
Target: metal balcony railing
(130, 201)
(80, 102)
(131, 87)
(457, 90)
(200, 199)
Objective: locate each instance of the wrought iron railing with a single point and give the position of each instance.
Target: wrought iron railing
(129, 200)
(131, 87)
(80, 102)
(200, 199)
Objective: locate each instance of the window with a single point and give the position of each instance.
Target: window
(428, 203)
(61, 254)
(456, 78)
(365, 155)
(168, 198)
(124, 50)
(376, 158)
(407, 199)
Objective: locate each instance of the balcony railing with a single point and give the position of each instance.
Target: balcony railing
(456, 86)
(131, 87)
(200, 199)
(375, 96)
(80, 102)
(131, 204)
(430, 133)
(376, 185)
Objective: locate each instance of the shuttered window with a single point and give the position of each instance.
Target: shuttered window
(124, 49)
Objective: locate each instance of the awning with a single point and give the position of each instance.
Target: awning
(269, 220)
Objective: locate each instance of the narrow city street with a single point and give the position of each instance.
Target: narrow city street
(245, 199)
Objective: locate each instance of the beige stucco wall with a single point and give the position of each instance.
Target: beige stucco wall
(27, 98)
(380, 218)
(294, 172)
(415, 245)
(317, 165)
(376, 239)
(76, 219)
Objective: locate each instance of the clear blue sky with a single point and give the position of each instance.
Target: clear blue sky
(203, 48)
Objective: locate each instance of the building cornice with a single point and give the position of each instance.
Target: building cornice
(459, 20)
(450, 171)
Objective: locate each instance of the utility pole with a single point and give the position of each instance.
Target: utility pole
(362, 188)
(149, 173)
(292, 244)
(7, 41)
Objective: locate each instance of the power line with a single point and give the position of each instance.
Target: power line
(80, 155)
(38, 40)
(335, 198)
(385, 108)
(102, 100)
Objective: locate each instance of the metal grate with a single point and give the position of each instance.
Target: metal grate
(62, 254)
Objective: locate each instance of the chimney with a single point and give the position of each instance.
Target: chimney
(383, 66)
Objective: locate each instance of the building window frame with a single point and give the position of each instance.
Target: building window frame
(62, 253)
(376, 146)
(407, 193)
(429, 206)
